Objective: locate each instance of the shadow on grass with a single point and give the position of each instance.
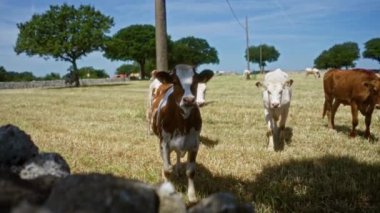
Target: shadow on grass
(208, 142)
(326, 184)
(359, 132)
(288, 133)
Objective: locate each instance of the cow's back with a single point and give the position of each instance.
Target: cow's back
(276, 76)
(347, 85)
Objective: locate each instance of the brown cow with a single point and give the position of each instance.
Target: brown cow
(358, 88)
(177, 120)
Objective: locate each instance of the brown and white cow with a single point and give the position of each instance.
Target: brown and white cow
(155, 84)
(177, 120)
(312, 71)
(277, 94)
(358, 88)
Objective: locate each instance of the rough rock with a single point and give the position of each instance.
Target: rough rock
(45, 164)
(170, 200)
(221, 202)
(14, 190)
(101, 193)
(16, 147)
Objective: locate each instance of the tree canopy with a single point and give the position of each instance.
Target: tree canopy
(262, 54)
(339, 55)
(64, 33)
(136, 42)
(372, 49)
(193, 51)
(90, 72)
(127, 69)
(15, 76)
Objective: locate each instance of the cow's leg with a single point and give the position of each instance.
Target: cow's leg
(283, 119)
(368, 118)
(271, 129)
(190, 173)
(327, 110)
(355, 121)
(178, 162)
(165, 155)
(335, 107)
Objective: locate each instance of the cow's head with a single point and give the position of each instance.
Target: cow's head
(185, 83)
(374, 88)
(273, 93)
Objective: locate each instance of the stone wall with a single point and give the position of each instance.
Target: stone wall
(59, 83)
(40, 182)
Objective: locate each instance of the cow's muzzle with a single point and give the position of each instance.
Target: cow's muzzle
(188, 101)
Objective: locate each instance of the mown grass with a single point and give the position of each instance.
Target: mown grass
(103, 129)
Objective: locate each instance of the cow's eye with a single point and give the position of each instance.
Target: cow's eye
(269, 93)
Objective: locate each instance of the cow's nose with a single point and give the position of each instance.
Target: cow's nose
(275, 105)
(189, 100)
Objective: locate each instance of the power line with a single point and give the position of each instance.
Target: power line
(233, 13)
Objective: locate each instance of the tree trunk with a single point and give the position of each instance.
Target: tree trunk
(76, 73)
(142, 69)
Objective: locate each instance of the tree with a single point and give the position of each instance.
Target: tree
(339, 55)
(262, 55)
(127, 69)
(136, 42)
(64, 33)
(193, 51)
(323, 60)
(372, 49)
(52, 76)
(3, 74)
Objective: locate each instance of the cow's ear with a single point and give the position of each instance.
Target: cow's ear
(259, 84)
(289, 83)
(205, 75)
(164, 77)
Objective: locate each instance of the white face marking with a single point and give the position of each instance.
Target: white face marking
(186, 79)
(274, 94)
(185, 75)
(201, 93)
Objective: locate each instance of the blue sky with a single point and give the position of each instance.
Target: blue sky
(299, 29)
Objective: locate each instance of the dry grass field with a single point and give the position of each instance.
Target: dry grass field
(103, 129)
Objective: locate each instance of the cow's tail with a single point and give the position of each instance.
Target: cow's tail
(324, 110)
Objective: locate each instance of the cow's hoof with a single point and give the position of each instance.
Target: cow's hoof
(369, 137)
(352, 135)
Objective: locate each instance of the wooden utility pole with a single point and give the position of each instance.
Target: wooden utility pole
(247, 50)
(247, 40)
(261, 60)
(161, 35)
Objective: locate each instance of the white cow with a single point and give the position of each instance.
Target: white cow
(313, 71)
(277, 94)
